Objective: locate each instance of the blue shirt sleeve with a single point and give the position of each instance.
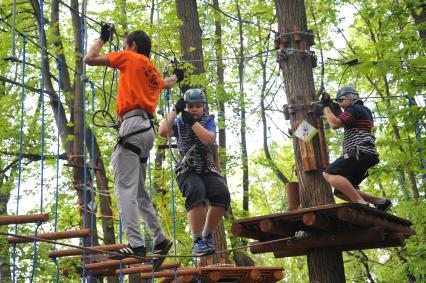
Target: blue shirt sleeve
(211, 125)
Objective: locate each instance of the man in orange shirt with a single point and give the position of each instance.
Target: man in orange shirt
(139, 88)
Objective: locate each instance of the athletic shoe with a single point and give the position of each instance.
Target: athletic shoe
(139, 252)
(161, 248)
(208, 240)
(199, 248)
(384, 206)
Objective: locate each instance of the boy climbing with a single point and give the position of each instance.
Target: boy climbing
(359, 152)
(139, 88)
(197, 174)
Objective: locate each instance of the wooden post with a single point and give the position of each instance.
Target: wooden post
(293, 198)
(325, 265)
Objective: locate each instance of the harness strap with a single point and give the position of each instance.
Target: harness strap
(133, 147)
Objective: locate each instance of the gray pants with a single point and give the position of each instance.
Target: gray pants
(129, 182)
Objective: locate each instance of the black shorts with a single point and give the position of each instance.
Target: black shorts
(197, 188)
(355, 170)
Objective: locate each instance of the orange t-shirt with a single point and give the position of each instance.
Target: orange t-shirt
(140, 82)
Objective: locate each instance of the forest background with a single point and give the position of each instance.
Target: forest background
(227, 47)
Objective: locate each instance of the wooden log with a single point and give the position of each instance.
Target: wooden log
(321, 241)
(318, 221)
(273, 227)
(392, 240)
(187, 278)
(20, 219)
(171, 273)
(145, 268)
(102, 272)
(251, 277)
(240, 230)
(293, 198)
(74, 252)
(214, 276)
(51, 236)
(115, 263)
(363, 219)
(274, 276)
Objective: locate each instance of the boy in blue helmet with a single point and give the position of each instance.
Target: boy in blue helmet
(197, 174)
(359, 152)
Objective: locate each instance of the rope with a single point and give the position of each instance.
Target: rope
(21, 126)
(58, 146)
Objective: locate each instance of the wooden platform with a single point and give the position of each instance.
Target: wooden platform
(241, 274)
(345, 226)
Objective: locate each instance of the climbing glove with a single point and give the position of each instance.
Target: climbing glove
(325, 99)
(187, 118)
(180, 105)
(106, 32)
(335, 107)
(179, 74)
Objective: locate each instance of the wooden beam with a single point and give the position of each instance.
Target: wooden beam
(318, 221)
(240, 230)
(321, 241)
(20, 219)
(182, 279)
(145, 268)
(392, 240)
(274, 276)
(363, 219)
(51, 236)
(251, 277)
(279, 228)
(115, 263)
(74, 252)
(171, 273)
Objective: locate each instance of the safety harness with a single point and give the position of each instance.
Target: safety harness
(121, 139)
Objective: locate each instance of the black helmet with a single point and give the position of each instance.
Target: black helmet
(195, 95)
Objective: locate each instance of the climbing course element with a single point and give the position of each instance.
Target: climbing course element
(20, 219)
(346, 226)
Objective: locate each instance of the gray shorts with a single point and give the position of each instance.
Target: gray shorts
(197, 188)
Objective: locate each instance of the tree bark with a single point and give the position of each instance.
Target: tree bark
(324, 265)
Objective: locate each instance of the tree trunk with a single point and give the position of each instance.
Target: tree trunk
(419, 18)
(243, 145)
(5, 250)
(325, 265)
(192, 50)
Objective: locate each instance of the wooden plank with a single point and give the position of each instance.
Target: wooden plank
(145, 268)
(279, 228)
(20, 219)
(115, 263)
(323, 145)
(392, 240)
(363, 219)
(274, 276)
(75, 252)
(51, 236)
(241, 231)
(318, 221)
(171, 273)
(374, 234)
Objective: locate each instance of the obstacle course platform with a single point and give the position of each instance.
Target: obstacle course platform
(346, 226)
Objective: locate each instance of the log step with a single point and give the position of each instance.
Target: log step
(20, 219)
(50, 236)
(76, 252)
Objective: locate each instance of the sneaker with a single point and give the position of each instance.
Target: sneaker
(163, 249)
(208, 240)
(384, 206)
(139, 252)
(199, 248)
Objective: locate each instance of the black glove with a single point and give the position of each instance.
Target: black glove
(187, 118)
(179, 74)
(335, 107)
(106, 32)
(180, 105)
(325, 99)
